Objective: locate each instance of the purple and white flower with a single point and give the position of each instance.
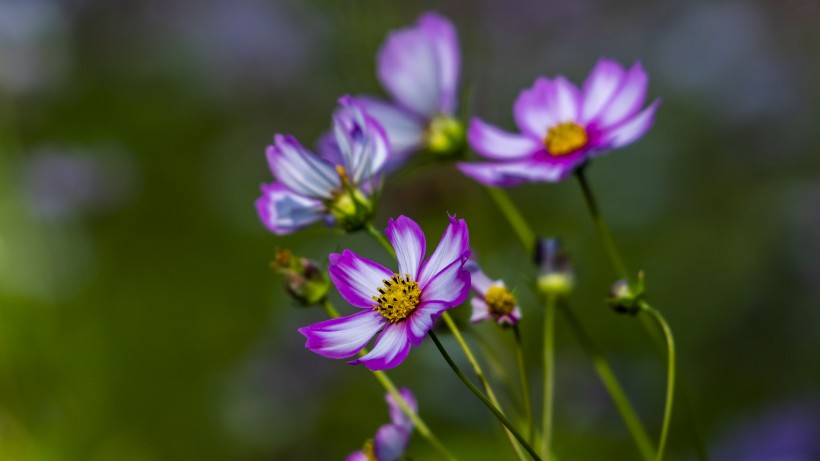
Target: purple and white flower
(391, 439)
(402, 304)
(562, 126)
(419, 67)
(494, 300)
(337, 188)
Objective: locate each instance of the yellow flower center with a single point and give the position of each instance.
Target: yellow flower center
(398, 298)
(500, 300)
(565, 138)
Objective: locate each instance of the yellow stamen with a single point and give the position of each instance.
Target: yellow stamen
(500, 300)
(565, 138)
(398, 298)
(342, 174)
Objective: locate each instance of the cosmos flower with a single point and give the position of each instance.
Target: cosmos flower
(391, 439)
(419, 67)
(494, 302)
(402, 305)
(562, 126)
(338, 188)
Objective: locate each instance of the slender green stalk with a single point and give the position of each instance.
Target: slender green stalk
(525, 387)
(480, 374)
(516, 220)
(670, 377)
(600, 362)
(486, 401)
(388, 385)
(613, 387)
(549, 374)
(379, 236)
(601, 227)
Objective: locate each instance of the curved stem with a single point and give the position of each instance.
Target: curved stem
(670, 375)
(498, 414)
(601, 227)
(379, 236)
(514, 217)
(549, 374)
(525, 387)
(388, 385)
(613, 387)
(480, 374)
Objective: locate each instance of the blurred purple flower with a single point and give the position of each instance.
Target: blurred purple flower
(562, 126)
(402, 305)
(391, 439)
(336, 187)
(419, 67)
(495, 301)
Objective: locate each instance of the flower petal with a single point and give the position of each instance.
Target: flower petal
(450, 286)
(357, 456)
(627, 100)
(390, 442)
(532, 109)
(344, 336)
(599, 87)
(478, 279)
(390, 350)
(566, 100)
(362, 141)
(631, 129)
(405, 131)
(357, 279)
(481, 311)
(422, 320)
(495, 143)
(506, 174)
(299, 170)
(283, 211)
(408, 69)
(397, 415)
(453, 246)
(409, 243)
(443, 38)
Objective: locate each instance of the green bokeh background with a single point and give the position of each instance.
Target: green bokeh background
(142, 322)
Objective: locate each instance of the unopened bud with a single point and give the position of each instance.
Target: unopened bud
(627, 298)
(351, 209)
(445, 136)
(305, 280)
(555, 277)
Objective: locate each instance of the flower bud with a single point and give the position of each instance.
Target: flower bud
(445, 136)
(626, 298)
(305, 280)
(555, 277)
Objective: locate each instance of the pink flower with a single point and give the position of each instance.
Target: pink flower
(494, 302)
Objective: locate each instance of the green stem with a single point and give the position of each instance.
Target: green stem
(525, 387)
(498, 414)
(388, 385)
(549, 374)
(670, 375)
(613, 387)
(514, 217)
(481, 378)
(601, 227)
(379, 236)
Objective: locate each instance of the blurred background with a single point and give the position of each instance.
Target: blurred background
(139, 318)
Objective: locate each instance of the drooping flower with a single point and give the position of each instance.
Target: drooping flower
(419, 67)
(338, 188)
(391, 439)
(562, 126)
(494, 300)
(402, 305)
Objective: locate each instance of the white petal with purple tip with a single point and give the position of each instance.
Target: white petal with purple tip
(408, 70)
(453, 245)
(283, 211)
(631, 129)
(532, 109)
(493, 142)
(627, 100)
(566, 100)
(301, 171)
(342, 337)
(390, 350)
(599, 87)
(409, 243)
(481, 311)
(357, 279)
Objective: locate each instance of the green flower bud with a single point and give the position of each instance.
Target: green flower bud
(555, 277)
(445, 136)
(305, 280)
(626, 298)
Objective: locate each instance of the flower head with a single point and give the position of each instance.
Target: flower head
(401, 304)
(494, 300)
(419, 67)
(563, 126)
(337, 187)
(391, 439)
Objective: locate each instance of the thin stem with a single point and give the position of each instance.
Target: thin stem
(498, 414)
(480, 374)
(525, 387)
(549, 374)
(670, 375)
(601, 227)
(381, 239)
(388, 385)
(613, 387)
(514, 217)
